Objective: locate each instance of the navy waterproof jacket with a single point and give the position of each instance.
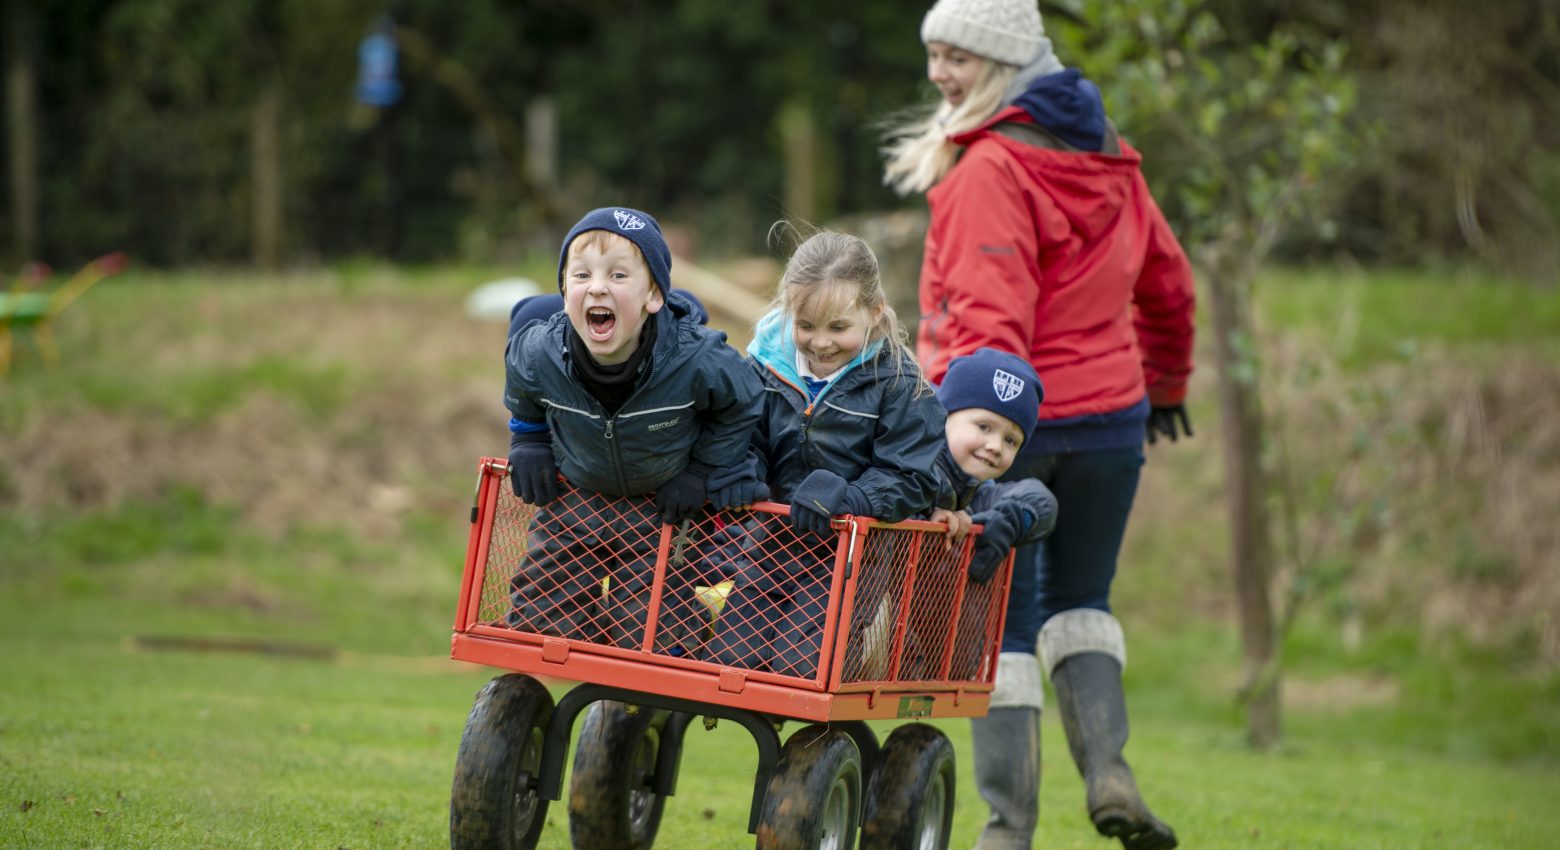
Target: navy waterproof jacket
(697, 400)
(876, 424)
(957, 490)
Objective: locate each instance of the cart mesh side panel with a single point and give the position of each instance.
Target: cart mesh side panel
(917, 617)
(887, 607)
(505, 555)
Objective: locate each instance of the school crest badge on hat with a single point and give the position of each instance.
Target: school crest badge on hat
(640, 228)
(628, 221)
(1007, 386)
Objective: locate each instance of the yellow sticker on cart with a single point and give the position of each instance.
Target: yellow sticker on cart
(915, 706)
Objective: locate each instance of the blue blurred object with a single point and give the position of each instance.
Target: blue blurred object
(377, 83)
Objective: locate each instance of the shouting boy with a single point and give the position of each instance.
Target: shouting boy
(624, 393)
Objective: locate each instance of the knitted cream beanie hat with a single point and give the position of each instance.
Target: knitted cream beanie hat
(1005, 30)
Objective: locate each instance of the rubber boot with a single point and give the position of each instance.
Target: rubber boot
(1007, 773)
(1094, 714)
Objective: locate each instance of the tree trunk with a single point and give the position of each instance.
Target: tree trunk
(1241, 415)
(541, 143)
(266, 172)
(799, 155)
(22, 128)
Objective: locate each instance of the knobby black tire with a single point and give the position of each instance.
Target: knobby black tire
(493, 804)
(612, 801)
(909, 802)
(813, 801)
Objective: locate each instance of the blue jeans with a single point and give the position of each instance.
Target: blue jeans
(1074, 567)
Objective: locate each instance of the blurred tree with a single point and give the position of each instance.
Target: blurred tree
(1471, 92)
(1256, 129)
(145, 109)
(21, 24)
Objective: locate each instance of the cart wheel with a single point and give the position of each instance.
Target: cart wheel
(495, 802)
(612, 800)
(910, 799)
(813, 801)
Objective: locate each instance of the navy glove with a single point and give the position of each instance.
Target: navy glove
(1162, 420)
(1004, 525)
(533, 472)
(681, 497)
(736, 486)
(821, 495)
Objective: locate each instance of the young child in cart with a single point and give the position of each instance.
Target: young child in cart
(625, 393)
(849, 426)
(993, 401)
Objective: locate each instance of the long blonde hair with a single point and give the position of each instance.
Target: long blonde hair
(918, 150)
(831, 272)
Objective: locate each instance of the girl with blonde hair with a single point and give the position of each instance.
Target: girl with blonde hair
(849, 427)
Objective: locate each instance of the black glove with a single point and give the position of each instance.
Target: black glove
(1162, 420)
(821, 495)
(1004, 525)
(533, 472)
(681, 497)
(736, 486)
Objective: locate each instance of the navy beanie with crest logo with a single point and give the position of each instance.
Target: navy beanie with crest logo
(637, 227)
(993, 380)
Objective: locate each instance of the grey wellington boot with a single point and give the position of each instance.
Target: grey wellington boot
(1007, 754)
(1007, 772)
(1094, 714)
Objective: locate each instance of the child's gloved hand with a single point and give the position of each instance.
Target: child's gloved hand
(736, 486)
(681, 497)
(1004, 525)
(821, 495)
(533, 472)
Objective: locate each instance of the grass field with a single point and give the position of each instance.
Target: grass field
(289, 462)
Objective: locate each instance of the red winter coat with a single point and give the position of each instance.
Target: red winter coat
(1062, 257)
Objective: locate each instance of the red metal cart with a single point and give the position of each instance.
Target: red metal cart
(662, 624)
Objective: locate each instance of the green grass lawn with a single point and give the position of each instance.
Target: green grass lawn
(1392, 741)
(1369, 315)
(105, 744)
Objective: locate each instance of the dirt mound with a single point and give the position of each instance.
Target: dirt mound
(415, 399)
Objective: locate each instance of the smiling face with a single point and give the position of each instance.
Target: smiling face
(830, 336)
(983, 443)
(608, 294)
(952, 70)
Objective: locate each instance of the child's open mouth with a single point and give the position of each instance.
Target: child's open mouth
(601, 321)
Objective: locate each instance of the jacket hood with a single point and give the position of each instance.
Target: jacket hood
(683, 304)
(1090, 189)
(774, 347)
(1068, 105)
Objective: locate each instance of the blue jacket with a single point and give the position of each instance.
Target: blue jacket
(957, 490)
(876, 423)
(696, 401)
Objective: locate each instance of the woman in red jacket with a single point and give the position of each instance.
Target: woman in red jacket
(1045, 242)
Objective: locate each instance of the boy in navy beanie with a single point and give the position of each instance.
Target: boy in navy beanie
(625, 396)
(993, 401)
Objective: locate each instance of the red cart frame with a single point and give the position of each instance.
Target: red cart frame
(955, 623)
